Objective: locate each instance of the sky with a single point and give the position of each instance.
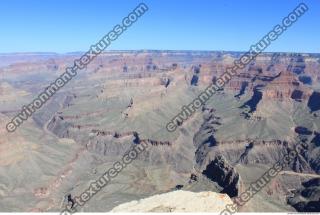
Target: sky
(68, 25)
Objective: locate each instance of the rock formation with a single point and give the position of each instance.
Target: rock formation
(179, 202)
(307, 199)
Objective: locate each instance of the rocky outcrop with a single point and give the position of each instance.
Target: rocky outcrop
(302, 130)
(218, 170)
(305, 79)
(244, 85)
(314, 102)
(316, 139)
(134, 134)
(252, 103)
(194, 80)
(307, 198)
(178, 201)
(283, 88)
(165, 81)
(297, 95)
(313, 154)
(195, 77)
(60, 127)
(297, 64)
(224, 174)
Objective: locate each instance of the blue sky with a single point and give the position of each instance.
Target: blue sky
(70, 25)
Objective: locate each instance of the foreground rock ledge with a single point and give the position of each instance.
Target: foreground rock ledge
(178, 201)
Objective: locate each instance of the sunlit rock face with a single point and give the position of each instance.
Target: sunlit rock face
(178, 201)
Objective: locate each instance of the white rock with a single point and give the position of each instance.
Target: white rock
(178, 201)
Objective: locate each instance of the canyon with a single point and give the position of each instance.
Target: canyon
(124, 98)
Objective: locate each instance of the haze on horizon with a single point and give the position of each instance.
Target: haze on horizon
(62, 27)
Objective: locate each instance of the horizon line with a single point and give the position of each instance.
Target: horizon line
(144, 50)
